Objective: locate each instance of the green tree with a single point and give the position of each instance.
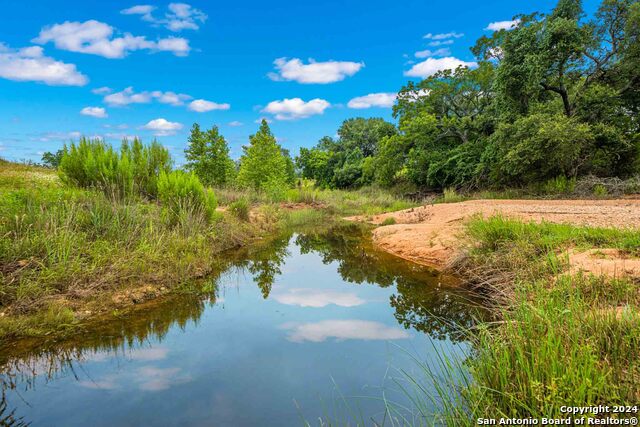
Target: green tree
(52, 160)
(262, 166)
(208, 156)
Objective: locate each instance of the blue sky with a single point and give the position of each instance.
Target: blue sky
(121, 68)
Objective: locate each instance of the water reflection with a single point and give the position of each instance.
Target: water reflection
(343, 330)
(300, 304)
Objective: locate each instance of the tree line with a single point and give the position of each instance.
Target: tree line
(556, 96)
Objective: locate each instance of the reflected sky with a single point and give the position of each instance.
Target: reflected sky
(291, 331)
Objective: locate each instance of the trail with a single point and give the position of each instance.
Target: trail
(432, 235)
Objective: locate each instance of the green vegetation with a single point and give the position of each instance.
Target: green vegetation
(263, 166)
(556, 97)
(208, 157)
(388, 221)
(562, 339)
(113, 228)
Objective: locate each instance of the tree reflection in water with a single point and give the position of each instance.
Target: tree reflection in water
(423, 301)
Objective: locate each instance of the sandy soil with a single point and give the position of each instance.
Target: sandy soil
(430, 235)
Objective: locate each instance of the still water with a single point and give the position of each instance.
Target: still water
(317, 328)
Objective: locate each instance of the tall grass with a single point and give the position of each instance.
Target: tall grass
(561, 339)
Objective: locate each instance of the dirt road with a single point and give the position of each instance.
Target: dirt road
(430, 235)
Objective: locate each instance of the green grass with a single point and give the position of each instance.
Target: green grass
(561, 339)
(364, 201)
(67, 250)
(388, 221)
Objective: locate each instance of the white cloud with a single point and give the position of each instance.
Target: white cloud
(235, 123)
(503, 25)
(30, 64)
(170, 98)
(445, 51)
(343, 330)
(318, 298)
(180, 16)
(144, 10)
(443, 36)
(296, 108)
(101, 90)
(129, 96)
(162, 127)
(97, 38)
(98, 112)
(202, 106)
(384, 100)
(441, 43)
(313, 72)
(432, 65)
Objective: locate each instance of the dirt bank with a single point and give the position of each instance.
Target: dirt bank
(430, 235)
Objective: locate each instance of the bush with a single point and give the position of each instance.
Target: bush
(388, 221)
(559, 185)
(182, 194)
(537, 148)
(240, 209)
(95, 164)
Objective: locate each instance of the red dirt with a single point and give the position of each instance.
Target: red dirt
(430, 235)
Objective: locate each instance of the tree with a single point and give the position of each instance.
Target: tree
(348, 161)
(52, 160)
(208, 156)
(262, 166)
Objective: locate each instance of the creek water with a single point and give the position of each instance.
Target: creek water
(315, 328)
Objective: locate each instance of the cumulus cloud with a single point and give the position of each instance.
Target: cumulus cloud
(296, 108)
(179, 16)
(235, 123)
(383, 99)
(313, 72)
(202, 106)
(97, 38)
(427, 53)
(503, 25)
(129, 96)
(162, 127)
(98, 112)
(443, 36)
(343, 330)
(30, 64)
(431, 66)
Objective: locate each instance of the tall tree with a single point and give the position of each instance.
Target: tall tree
(262, 166)
(208, 156)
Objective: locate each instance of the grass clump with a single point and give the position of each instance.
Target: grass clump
(240, 209)
(388, 221)
(182, 194)
(562, 339)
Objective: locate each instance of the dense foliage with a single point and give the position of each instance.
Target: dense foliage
(263, 166)
(556, 96)
(208, 157)
(134, 170)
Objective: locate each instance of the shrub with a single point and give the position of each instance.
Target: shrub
(600, 190)
(537, 148)
(388, 221)
(559, 185)
(240, 209)
(95, 164)
(182, 194)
